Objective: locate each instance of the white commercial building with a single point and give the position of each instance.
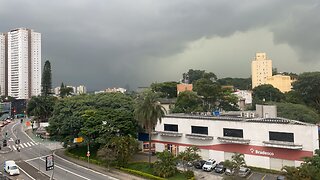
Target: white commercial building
(266, 142)
(2, 64)
(24, 63)
(81, 89)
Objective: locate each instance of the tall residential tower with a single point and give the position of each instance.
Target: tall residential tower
(3, 65)
(24, 63)
(261, 68)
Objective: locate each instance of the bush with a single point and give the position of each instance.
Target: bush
(263, 170)
(142, 174)
(188, 174)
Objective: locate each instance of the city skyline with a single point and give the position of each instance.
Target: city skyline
(123, 43)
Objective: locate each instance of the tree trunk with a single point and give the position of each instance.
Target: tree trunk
(149, 155)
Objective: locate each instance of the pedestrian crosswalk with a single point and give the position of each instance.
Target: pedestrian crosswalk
(22, 145)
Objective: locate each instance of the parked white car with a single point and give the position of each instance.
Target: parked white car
(209, 165)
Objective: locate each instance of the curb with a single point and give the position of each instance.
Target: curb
(5, 152)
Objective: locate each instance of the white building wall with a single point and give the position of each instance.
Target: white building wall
(254, 131)
(18, 64)
(264, 162)
(35, 64)
(2, 64)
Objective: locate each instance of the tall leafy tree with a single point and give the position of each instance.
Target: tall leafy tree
(238, 83)
(148, 112)
(209, 90)
(307, 86)
(193, 75)
(46, 82)
(188, 102)
(65, 91)
(266, 92)
(41, 107)
(190, 154)
(165, 166)
(167, 89)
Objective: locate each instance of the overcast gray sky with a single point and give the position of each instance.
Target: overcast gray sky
(110, 43)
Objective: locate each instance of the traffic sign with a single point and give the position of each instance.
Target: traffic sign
(49, 162)
(88, 154)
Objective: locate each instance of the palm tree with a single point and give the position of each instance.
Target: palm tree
(148, 112)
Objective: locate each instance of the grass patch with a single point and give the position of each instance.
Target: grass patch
(81, 151)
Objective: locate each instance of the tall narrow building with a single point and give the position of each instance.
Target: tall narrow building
(261, 68)
(24, 63)
(3, 64)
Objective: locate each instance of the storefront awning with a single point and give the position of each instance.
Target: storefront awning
(281, 144)
(234, 140)
(169, 133)
(199, 136)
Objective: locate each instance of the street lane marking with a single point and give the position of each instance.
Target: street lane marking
(12, 130)
(29, 144)
(249, 176)
(21, 146)
(26, 173)
(14, 147)
(25, 144)
(36, 158)
(110, 177)
(263, 177)
(69, 171)
(32, 143)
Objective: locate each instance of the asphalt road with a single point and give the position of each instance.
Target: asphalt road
(33, 167)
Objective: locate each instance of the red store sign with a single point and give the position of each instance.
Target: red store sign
(279, 153)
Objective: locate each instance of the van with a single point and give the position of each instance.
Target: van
(11, 168)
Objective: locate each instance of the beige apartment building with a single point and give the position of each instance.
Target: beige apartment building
(261, 69)
(281, 82)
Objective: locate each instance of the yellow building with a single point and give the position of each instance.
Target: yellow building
(261, 68)
(281, 82)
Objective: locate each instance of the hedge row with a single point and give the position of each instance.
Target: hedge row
(142, 174)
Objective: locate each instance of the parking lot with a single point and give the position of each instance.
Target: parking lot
(200, 174)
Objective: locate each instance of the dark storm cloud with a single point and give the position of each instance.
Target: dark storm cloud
(106, 43)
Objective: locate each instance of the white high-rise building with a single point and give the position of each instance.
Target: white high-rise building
(81, 89)
(261, 68)
(24, 63)
(3, 63)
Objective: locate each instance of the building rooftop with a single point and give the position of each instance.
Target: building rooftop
(275, 120)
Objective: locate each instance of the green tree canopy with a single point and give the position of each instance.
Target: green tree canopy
(166, 89)
(309, 169)
(194, 75)
(298, 112)
(41, 107)
(46, 82)
(237, 83)
(228, 101)
(266, 92)
(165, 166)
(307, 86)
(209, 90)
(190, 154)
(99, 116)
(188, 102)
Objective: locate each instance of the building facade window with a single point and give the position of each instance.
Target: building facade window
(281, 136)
(233, 132)
(171, 127)
(199, 130)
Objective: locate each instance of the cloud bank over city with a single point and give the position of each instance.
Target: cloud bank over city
(121, 42)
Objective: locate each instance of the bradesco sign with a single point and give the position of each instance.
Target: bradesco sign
(261, 152)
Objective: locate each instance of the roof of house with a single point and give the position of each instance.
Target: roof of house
(276, 120)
